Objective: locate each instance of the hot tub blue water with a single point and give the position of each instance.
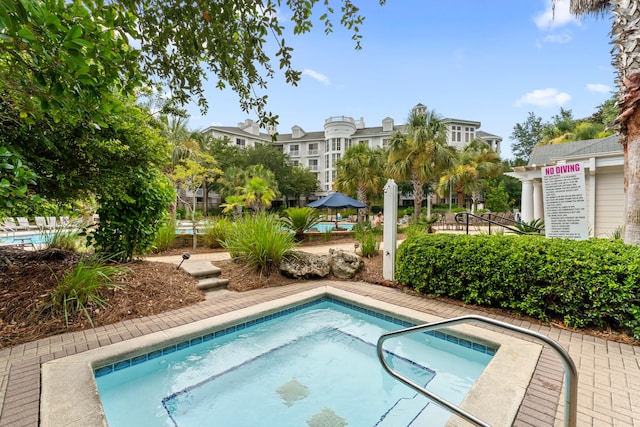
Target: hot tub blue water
(314, 365)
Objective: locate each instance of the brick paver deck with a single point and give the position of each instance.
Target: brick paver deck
(609, 372)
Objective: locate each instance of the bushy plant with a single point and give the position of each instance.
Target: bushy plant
(299, 220)
(166, 234)
(62, 238)
(259, 242)
(216, 231)
(591, 283)
(129, 220)
(369, 239)
(79, 290)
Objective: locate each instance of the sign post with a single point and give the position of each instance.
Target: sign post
(565, 202)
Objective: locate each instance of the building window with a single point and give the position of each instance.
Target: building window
(240, 142)
(313, 148)
(386, 142)
(294, 150)
(456, 133)
(336, 144)
(326, 146)
(469, 134)
(326, 176)
(313, 165)
(326, 161)
(295, 162)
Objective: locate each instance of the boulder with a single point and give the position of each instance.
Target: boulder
(344, 264)
(303, 265)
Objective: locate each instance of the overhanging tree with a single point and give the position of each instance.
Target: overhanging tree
(625, 34)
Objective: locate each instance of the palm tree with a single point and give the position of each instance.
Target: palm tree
(421, 154)
(360, 171)
(260, 188)
(475, 164)
(624, 32)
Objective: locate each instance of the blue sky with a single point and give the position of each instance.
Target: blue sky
(491, 61)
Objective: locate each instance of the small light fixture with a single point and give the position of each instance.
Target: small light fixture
(185, 256)
(356, 245)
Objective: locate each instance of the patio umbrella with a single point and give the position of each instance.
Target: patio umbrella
(337, 200)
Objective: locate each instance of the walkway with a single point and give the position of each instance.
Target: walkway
(609, 372)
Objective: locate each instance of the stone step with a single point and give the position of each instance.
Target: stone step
(212, 283)
(200, 269)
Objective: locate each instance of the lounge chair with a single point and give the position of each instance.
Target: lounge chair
(41, 222)
(23, 223)
(52, 222)
(8, 226)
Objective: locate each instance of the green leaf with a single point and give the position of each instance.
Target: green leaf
(26, 34)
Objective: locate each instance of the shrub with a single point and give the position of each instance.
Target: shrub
(259, 242)
(80, 288)
(166, 235)
(300, 220)
(591, 283)
(369, 239)
(129, 220)
(216, 231)
(62, 238)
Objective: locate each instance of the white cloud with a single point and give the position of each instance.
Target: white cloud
(559, 38)
(544, 98)
(551, 18)
(598, 87)
(318, 76)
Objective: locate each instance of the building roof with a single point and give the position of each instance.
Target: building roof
(546, 154)
(486, 135)
(235, 130)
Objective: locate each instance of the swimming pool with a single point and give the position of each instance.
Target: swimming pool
(69, 392)
(306, 365)
(330, 226)
(35, 238)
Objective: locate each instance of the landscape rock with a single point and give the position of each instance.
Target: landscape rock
(303, 265)
(344, 264)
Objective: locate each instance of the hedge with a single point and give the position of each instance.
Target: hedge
(591, 283)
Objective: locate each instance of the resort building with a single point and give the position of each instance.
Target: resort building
(603, 163)
(320, 150)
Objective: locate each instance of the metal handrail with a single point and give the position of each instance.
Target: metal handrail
(571, 373)
(463, 219)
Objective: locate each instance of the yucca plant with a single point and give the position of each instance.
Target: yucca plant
(533, 226)
(80, 288)
(299, 220)
(259, 242)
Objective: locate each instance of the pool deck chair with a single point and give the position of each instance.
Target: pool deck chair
(23, 224)
(41, 222)
(52, 222)
(8, 226)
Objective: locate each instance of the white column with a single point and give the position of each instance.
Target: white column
(591, 200)
(390, 230)
(526, 208)
(538, 207)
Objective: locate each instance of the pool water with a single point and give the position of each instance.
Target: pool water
(36, 239)
(324, 227)
(316, 366)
